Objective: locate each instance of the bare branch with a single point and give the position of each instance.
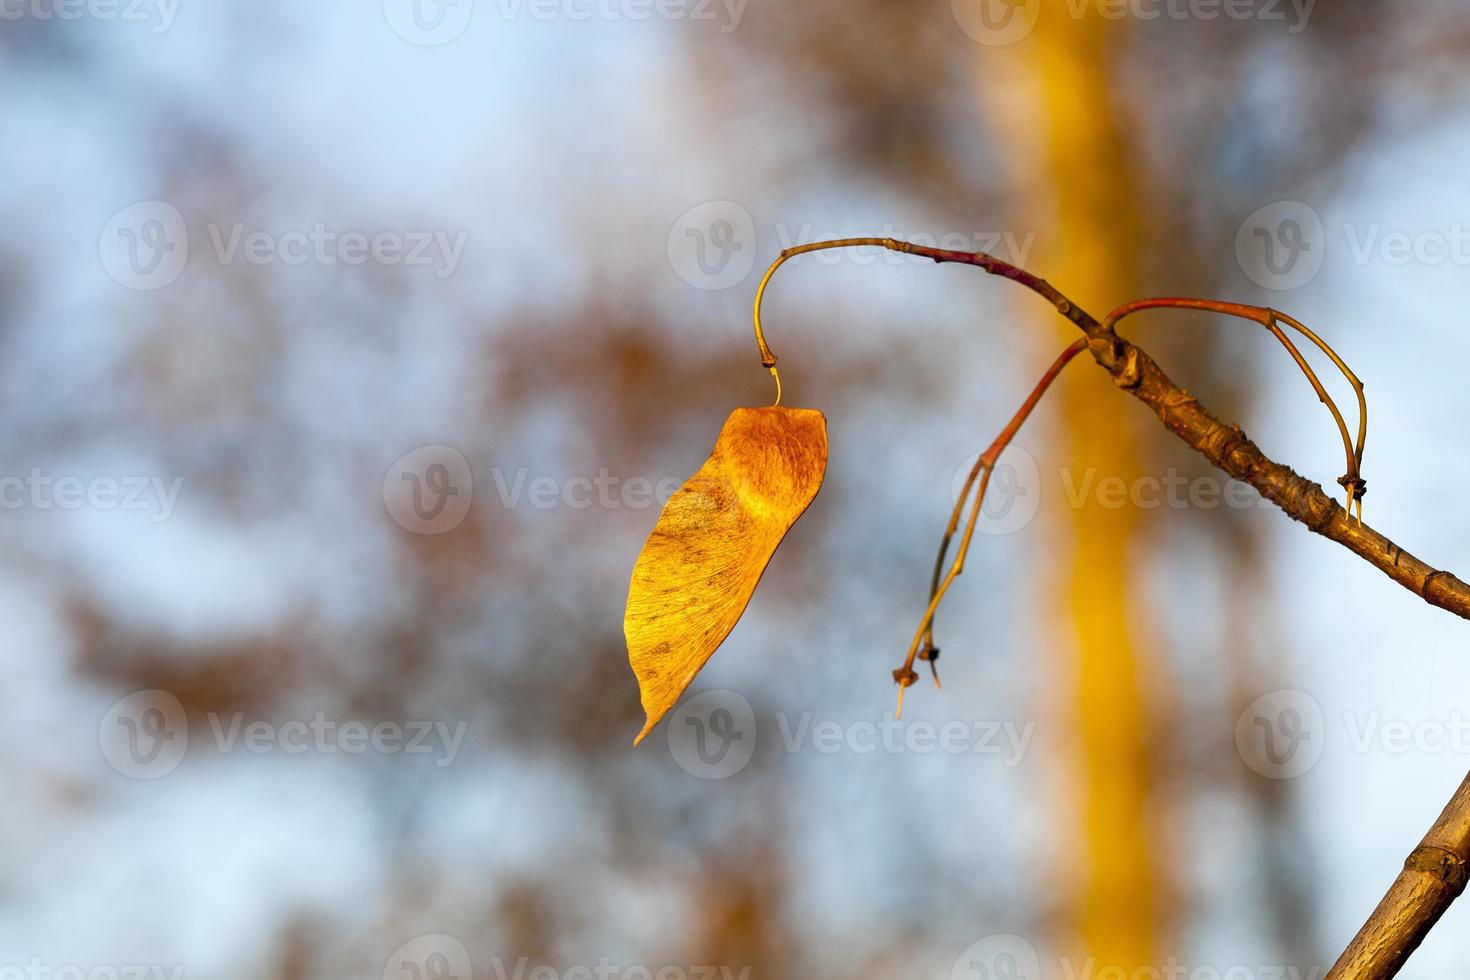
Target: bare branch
(1435, 873)
(1433, 877)
(1226, 446)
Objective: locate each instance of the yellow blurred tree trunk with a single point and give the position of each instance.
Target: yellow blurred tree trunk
(1058, 124)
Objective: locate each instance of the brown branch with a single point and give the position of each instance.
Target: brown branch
(1227, 446)
(1433, 877)
(1435, 873)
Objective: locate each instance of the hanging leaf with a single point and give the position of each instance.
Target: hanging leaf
(712, 543)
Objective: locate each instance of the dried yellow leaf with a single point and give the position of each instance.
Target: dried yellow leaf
(712, 543)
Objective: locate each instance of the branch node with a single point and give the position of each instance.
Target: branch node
(1105, 349)
(1128, 376)
(1428, 579)
(1354, 484)
(1445, 865)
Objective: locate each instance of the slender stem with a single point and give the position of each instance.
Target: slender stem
(1227, 447)
(1352, 480)
(1433, 877)
(983, 467)
(1435, 874)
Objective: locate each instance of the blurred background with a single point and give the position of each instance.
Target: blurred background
(351, 348)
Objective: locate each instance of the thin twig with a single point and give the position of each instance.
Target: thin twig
(1226, 446)
(1352, 479)
(983, 467)
(1435, 873)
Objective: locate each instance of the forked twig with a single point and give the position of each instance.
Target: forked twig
(1436, 872)
(1352, 481)
(982, 469)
